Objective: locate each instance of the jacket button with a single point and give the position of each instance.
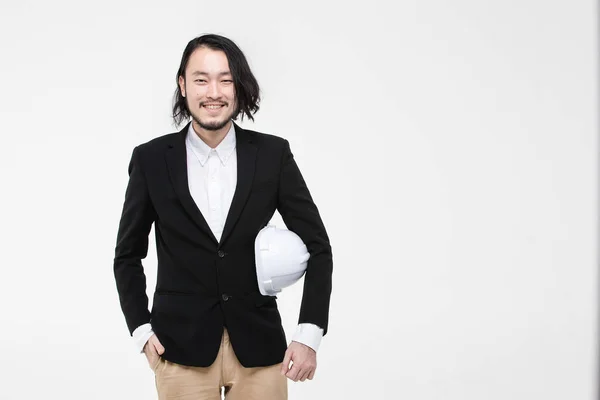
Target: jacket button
(221, 253)
(225, 297)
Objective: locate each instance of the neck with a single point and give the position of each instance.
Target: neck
(211, 138)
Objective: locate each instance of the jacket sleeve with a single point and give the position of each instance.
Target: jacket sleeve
(301, 216)
(132, 246)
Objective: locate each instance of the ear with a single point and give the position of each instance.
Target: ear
(181, 81)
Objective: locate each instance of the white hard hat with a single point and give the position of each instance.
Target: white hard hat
(281, 259)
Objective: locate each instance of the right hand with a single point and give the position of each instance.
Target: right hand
(153, 350)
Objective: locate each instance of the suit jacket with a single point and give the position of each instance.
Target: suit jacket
(202, 284)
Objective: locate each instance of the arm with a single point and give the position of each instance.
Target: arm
(300, 214)
(309, 335)
(132, 246)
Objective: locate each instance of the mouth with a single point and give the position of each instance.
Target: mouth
(213, 106)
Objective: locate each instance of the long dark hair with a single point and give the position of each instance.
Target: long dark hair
(246, 86)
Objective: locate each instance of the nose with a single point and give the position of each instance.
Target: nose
(213, 90)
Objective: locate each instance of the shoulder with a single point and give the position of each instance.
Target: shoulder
(268, 140)
(156, 147)
(159, 142)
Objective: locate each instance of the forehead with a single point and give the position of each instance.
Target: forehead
(208, 61)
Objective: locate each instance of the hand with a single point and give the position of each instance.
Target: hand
(153, 350)
(304, 362)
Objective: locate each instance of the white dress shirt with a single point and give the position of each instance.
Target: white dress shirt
(212, 178)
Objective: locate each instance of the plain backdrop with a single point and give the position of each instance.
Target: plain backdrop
(451, 148)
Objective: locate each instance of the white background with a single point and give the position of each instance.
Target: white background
(451, 148)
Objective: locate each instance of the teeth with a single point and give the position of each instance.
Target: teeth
(214, 107)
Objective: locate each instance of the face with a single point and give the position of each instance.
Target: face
(208, 89)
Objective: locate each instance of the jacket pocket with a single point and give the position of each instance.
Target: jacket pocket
(162, 292)
(181, 307)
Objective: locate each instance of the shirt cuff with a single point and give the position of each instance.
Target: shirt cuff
(141, 334)
(309, 334)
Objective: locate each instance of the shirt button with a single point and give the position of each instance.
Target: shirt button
(225, 297)
(221, 253)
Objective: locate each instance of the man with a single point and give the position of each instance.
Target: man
(209, 189)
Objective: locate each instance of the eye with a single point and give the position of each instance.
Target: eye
(200, 80)
(227, 81)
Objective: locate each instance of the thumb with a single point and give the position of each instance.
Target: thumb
(159, 347)
(286, 362)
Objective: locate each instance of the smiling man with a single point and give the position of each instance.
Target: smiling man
(209, 189)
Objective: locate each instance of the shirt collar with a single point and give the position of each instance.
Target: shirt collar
(224, 149)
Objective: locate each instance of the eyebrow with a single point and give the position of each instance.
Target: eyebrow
(196, 73)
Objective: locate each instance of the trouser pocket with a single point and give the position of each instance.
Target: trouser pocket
(156, 363)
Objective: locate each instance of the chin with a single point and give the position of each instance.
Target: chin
(212, 124)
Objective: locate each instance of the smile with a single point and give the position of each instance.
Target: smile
(213, 107)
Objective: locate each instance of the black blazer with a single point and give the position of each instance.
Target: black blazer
(202, 284)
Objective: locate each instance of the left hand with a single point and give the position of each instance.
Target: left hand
(304, 362)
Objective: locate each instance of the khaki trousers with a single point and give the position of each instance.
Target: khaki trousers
(182, 382)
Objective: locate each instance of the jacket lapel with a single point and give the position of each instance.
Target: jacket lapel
(176, 158)
(246, 160)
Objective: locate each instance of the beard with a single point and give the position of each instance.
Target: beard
(213, 125)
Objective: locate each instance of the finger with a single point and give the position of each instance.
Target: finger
(304, 374)
(159, 347)
(311, 375)
(286, 362)
(293, 373)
